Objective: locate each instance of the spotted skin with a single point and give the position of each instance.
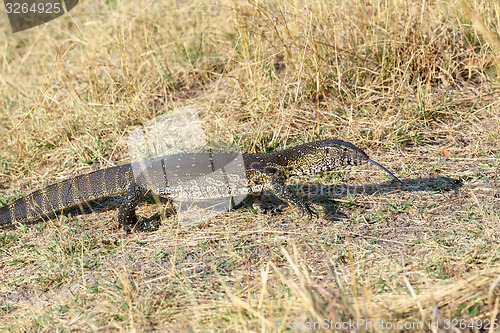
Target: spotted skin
(261, 172)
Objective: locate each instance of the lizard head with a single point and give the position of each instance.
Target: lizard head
(339, 153)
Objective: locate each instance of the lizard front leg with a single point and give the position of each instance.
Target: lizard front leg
(280, 190)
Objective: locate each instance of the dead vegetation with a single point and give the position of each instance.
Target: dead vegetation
(414, 84)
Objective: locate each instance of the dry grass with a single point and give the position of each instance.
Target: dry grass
(409, 82)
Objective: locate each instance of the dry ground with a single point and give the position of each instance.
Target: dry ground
(413, 83)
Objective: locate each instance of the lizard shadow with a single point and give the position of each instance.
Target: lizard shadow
(328, 195)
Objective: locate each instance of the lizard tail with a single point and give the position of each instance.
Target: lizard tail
(66, 194)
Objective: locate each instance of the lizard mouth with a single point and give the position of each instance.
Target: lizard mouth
(383, 168)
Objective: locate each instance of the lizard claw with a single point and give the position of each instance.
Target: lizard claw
(307, 208)
(313, 210)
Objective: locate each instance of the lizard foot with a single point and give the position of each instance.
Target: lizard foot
(266, 209)
(145, 224)
(307, 209)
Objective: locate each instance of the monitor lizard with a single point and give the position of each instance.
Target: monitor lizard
(263, 171)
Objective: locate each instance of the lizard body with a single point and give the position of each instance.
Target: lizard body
(261, 172)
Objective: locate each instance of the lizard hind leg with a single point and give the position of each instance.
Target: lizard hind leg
(126, 213)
